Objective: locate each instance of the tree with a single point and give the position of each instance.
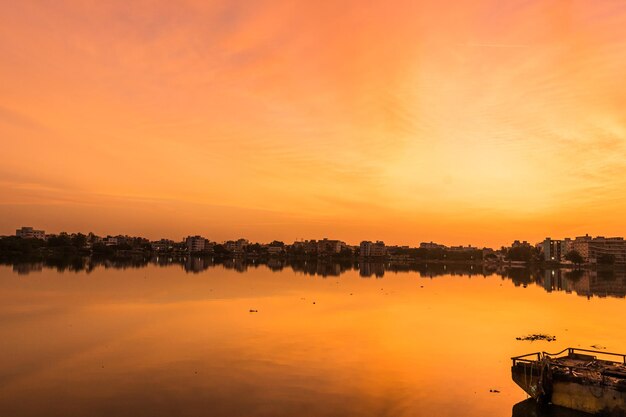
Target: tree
(521, 253)
(606, 259)
(575, 257)
(219, 249)
(79, 240)
(60, 240)
(255, 248)
(102, 249)
(19, 245)
(345, 252)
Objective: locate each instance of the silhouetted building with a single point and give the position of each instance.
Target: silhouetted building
(162, 245)
(599, 249)
(236, 246)
(462, 248)
(370, 250)
(198, 244)
(551, 250)
(27, 232)
(328, 246)
(567, 246)
(593, 250)
(431, 245)
(275, 250)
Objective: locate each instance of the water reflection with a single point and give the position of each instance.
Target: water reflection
(197, 336)
(587, 283)
(529, 408)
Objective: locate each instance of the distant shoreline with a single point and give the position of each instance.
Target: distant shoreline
(34, 244)
(44, 254)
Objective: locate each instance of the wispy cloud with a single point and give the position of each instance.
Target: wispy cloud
(342, 112)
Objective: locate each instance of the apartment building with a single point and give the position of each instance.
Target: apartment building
(594, 249)
(27, 232)
(552, 250)
(236, 246)
(198, 244)
(370, 249)
(328, 246)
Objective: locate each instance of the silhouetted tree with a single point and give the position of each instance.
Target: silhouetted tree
(14, 244)
(575, 257)
(606, 259)
(345, 253)
(219, 249)
(525, 253)
(79, 240)
(60, 240)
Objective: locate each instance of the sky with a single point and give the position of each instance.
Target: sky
(473, 122)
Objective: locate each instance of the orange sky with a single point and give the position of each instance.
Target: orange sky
(474, 122)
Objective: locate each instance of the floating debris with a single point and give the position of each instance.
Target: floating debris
(495, 391)
(598, 347)
(254, 311)
(538, 336)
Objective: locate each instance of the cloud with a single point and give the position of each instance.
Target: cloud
(331, 110)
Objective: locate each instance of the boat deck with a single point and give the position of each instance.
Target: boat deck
(590, 369)
(580, 365)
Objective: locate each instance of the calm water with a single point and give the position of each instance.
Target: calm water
(326, 340)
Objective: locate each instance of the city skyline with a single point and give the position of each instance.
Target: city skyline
(31, 232)
(477, 123)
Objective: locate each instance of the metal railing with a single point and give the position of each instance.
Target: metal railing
(538, 356)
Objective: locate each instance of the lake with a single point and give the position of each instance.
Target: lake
(235, 339)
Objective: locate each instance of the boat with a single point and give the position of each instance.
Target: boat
(590, 381)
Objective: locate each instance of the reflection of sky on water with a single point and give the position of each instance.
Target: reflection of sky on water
(160, 341)
(610, 282)
(529, 408)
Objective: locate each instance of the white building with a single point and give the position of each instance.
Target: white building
(552, 250)
(27, 232)
(198, 244)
